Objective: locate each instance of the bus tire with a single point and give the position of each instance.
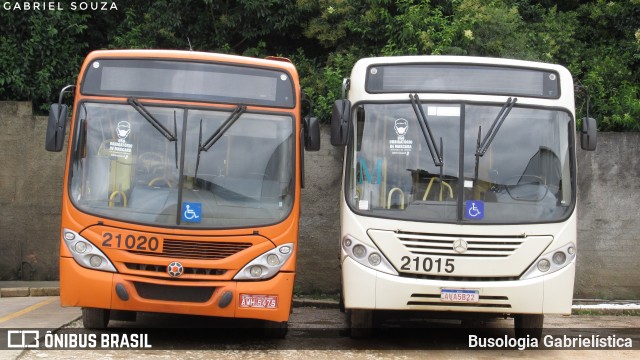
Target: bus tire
(360, 323)
(93, 318)
(275, 329)
(528, 325)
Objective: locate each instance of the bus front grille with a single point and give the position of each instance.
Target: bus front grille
(162, 269)
(433, 300)
(458, 278)
(193, 294)
(199, 250)
(445, 245)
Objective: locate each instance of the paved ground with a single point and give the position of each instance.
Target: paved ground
(35, 305)
(316, 333)
(42, 312)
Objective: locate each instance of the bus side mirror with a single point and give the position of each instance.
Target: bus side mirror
(311, 134)
(340, 122)
(56, 127)
(589, 134)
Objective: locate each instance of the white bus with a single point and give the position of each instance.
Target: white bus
(459, 188)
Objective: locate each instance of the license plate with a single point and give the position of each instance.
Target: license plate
(460, 295)
(258, 301)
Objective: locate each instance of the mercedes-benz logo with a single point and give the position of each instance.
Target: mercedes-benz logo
(460, 246)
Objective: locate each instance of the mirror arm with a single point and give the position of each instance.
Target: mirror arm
(579, 88)
(346, 83)
(62, 92)
(588, 104)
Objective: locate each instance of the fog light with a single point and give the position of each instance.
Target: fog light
(80, 247)
(255, 271)
(69, 236)
(359, 251)
(347, 242)
(544, 265)
(559, 258)
(95, 261)
(273, 260)
(375, 259)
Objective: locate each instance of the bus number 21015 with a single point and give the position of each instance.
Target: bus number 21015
(427, 264)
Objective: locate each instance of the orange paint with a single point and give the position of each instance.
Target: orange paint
(211, 257)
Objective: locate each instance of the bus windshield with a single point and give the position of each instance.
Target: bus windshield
(524, 176)
(124, 168)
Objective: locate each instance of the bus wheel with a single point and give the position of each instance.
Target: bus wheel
(275, 329)
(360, 322)
(528, 325)
(93, 318)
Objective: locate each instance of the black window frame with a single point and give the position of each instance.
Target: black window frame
(285, 90)
(375, 86)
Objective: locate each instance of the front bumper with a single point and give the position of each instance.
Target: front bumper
(97, 289)
(365, 288)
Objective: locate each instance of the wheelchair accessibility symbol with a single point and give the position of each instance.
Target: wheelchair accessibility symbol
(191, 212)
(474, 209)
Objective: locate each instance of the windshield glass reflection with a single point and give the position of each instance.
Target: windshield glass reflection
(523, 176)
(124, 168)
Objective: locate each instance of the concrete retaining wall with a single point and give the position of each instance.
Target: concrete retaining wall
(30, 197)
(608, 209)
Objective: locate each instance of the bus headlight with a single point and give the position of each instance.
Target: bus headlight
(359, 251)
(544, 265)
(367, 255)
(86, 254)
(559, 257)
(551, 262)
(255, 271)
(81, 247)
(375, 259)
(266, 265)
(95, 261)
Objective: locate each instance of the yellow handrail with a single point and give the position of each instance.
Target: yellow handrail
(426, 193)
(155, 180)
(113, 195)
(401, 198)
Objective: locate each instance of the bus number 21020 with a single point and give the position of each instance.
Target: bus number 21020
(131, 242)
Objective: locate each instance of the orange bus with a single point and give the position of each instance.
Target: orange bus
(182, 185)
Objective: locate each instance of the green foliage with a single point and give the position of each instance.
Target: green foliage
(597, 40)
(40, 52)
(608, 64)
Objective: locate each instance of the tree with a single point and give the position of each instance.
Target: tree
(598, 40)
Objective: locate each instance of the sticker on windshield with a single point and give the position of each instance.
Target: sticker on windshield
(474, 209)
(121, 148)
(401, 146)
(191, 212)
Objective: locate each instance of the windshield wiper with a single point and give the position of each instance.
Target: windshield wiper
(426, 131)
(483, 146)
(493, 130)
(151, 119)
(235, 115)
(157, 124)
